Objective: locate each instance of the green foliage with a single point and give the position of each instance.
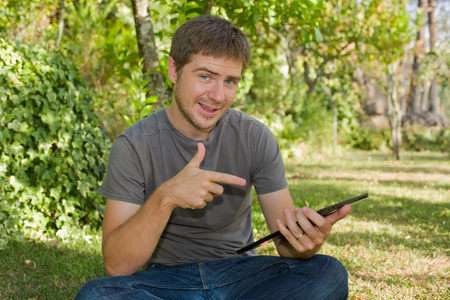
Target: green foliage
(251, 15)
(329, 39)
(25, 19)
(141, 106)
(420, 139)
(52, 152)
(100, 39)
(389, 30)
(368, 139)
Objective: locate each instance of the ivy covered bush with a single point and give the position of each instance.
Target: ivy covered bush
(52, 152)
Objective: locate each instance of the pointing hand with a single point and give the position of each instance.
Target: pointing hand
(193, 187)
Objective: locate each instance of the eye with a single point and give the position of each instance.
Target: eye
(229, 82)
(205, 77)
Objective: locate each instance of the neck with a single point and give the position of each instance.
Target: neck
(179, 121)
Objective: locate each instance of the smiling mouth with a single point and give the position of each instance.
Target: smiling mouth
(207, 109)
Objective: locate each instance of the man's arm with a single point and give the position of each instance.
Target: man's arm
(131, 232)
(279, 212)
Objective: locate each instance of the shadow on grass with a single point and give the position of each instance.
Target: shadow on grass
(406, 169)
(386, 182)
(30, 270)
(373, 168)
(412, 162)
(406, 156)
(403, 211)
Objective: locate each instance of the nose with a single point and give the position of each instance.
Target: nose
(217, 92)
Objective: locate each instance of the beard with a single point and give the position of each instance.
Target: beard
(202, 123)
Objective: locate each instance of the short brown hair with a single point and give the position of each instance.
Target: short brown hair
(209, 35)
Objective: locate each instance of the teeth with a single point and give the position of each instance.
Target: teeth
(207, 108)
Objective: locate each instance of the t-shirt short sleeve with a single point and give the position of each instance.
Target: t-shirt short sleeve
(124, 177)
(268, 167)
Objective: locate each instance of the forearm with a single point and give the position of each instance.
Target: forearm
(130, 246)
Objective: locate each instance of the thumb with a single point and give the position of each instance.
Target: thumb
(339, 214)
(198, 157)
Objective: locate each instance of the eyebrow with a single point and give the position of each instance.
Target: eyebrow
(236, 78)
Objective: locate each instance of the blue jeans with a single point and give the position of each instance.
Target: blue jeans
(258, 277)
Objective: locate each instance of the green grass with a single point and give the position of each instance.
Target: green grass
(49, 270)
(395, 244)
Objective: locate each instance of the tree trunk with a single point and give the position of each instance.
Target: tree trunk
(335, 126)
(394, 111)
(424, 102)
(433, 99)
(147, 50)
(418, 52)
(208, 7)
(330, 95)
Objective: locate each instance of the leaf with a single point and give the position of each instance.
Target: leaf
(247, 3)
(305, 36)
(255, 15)
(30, 264)
(126, 73)
(318, 35)
(182, 18)
(151, 99)
(146, 111)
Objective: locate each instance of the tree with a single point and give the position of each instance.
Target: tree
(433, 99)
(419, 51)
(348, 28)
(148, 51)
(395, 79)
(391, 36)
(252, 16)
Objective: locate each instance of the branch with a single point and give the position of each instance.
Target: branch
(311, 83)
(61, 23)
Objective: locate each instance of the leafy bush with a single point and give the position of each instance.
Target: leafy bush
(421, 139)
(369, 139)
(52, 153)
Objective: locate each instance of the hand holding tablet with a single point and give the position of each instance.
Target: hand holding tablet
(323, 212)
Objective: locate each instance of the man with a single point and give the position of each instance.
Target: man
(178, 191)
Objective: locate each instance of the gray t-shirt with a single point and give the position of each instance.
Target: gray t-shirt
(152, 151)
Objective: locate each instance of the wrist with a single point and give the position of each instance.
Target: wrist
(163, 197)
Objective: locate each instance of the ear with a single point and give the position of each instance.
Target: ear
(172, 70)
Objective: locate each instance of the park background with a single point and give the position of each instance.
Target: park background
(356, 92)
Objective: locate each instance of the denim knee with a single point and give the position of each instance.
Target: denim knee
(102, 288)
(336, 278)
(86, 292)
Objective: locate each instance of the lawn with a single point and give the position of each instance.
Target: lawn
(395, 244)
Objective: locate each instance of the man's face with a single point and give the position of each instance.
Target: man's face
(204, 90)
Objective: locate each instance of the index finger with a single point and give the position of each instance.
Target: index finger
(226, 178)
(313, 220)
